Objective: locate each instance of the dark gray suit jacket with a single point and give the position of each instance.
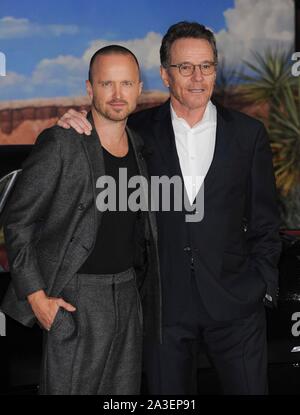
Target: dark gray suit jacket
(52, 223)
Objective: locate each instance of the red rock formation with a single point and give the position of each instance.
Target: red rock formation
(22, 121)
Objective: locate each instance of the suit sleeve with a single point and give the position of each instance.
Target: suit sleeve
(28, 205)
(264, 221)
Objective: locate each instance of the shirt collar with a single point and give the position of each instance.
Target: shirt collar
(209, 117)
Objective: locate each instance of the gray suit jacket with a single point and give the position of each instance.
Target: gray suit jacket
(52, 223)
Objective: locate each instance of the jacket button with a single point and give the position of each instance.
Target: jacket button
(81, 206)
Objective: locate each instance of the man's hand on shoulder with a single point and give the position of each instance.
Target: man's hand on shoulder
(45, 308)
(76, 120)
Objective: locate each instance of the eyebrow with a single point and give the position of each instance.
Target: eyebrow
(123, 80)
(206, 61)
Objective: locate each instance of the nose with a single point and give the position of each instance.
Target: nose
(117, 91)
(197, 75)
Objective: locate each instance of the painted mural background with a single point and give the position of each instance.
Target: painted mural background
(47, 47)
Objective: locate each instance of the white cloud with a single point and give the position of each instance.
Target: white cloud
(60, 70)
(11, 27)
(145, 49)
(14, 85)
(12, 79)
(66, 75)
(253, 25)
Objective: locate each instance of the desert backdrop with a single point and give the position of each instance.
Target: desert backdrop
(21, 121)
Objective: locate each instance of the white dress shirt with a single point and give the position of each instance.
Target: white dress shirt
(195, 148)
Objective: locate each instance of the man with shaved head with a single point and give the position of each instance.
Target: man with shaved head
(78, 267)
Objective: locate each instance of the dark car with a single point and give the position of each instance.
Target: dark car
(21, 346)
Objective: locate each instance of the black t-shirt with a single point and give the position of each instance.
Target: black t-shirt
(114, 247)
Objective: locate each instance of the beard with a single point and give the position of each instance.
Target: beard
(114, 114)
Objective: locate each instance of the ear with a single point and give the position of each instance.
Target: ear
(89, 89)
(164, 76)
(140, 87)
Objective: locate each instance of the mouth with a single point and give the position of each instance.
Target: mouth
(118, 104)
(196, 90)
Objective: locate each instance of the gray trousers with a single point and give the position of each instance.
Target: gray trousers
(97, 349)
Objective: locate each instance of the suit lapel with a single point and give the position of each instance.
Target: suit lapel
(94, 153)
(165, 140)
(138, 148)
(222, 148)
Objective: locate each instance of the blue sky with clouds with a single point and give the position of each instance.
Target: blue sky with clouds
(48, 44)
